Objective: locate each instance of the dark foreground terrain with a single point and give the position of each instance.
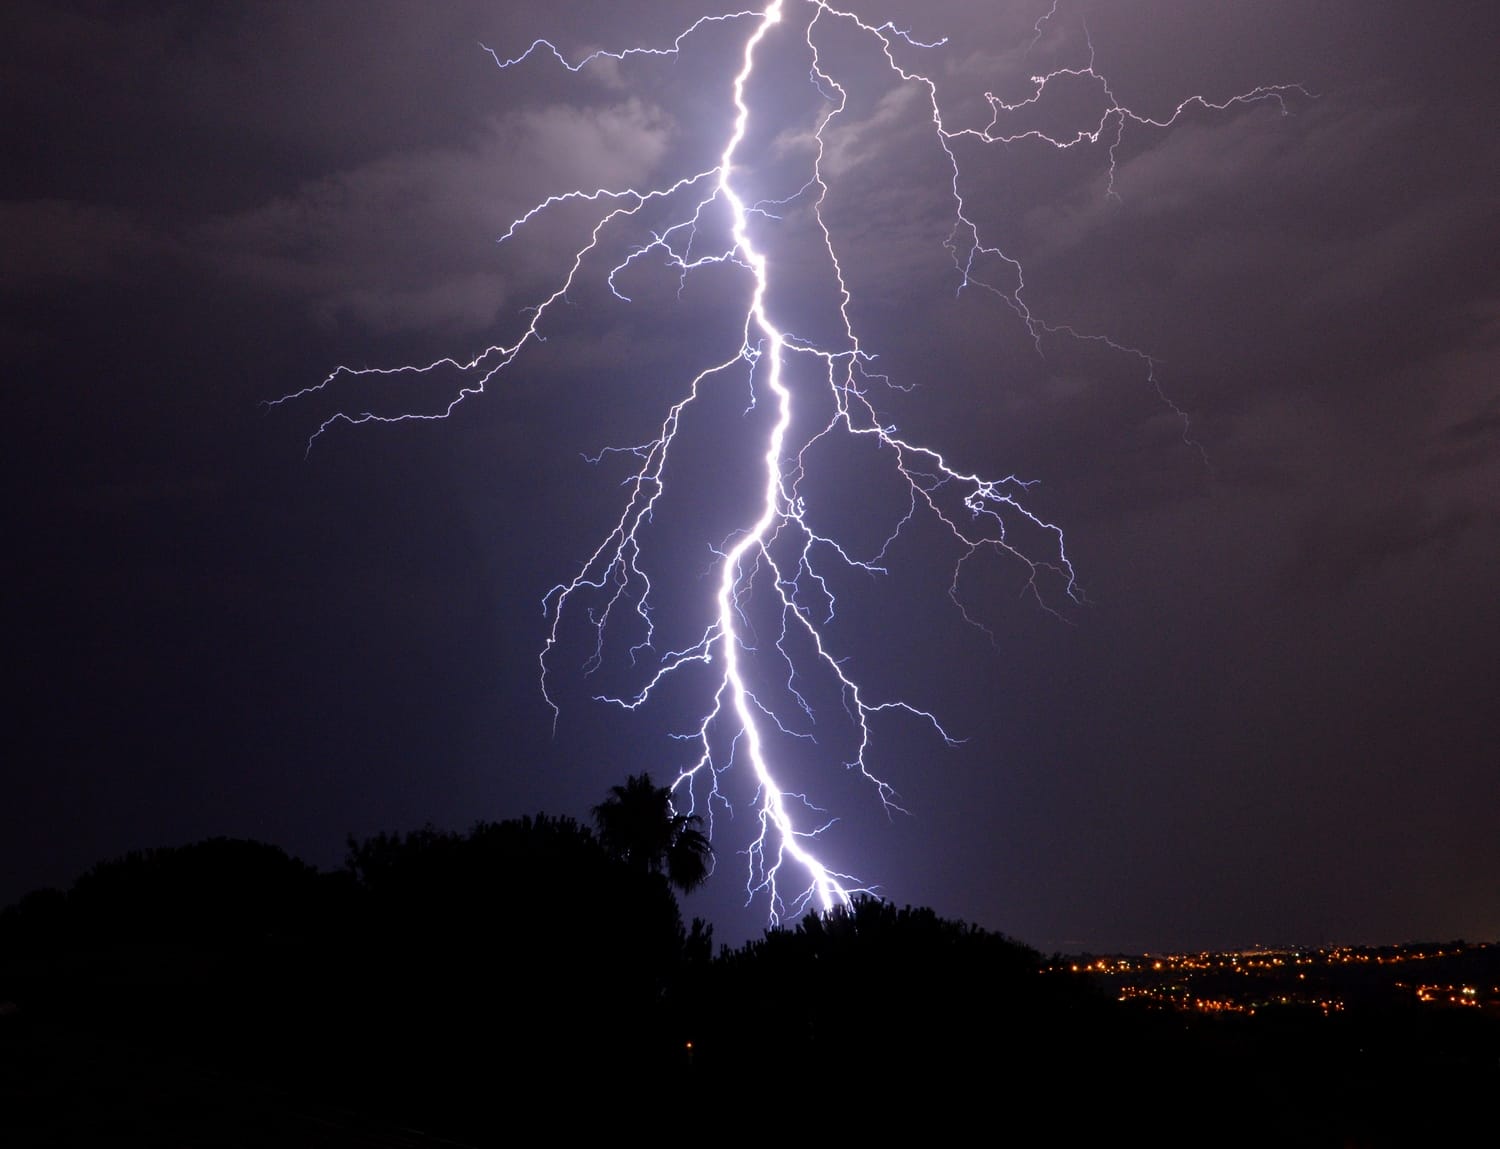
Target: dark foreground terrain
(436, 992)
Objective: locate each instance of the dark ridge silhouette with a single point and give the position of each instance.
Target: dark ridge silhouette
(439, 979)
(213, 893)
(460, 988)
(876, 998)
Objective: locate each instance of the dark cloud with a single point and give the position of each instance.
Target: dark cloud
(52, 244)
(406, 241)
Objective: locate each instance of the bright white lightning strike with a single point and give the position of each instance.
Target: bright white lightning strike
(778, 555)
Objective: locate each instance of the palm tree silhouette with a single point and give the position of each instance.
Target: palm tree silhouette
(638, 825)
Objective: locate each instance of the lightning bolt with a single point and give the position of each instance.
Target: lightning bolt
(776, 573)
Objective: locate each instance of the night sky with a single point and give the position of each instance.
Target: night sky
(1273, 720)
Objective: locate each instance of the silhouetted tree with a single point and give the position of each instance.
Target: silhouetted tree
(638, 825)
(220, 891)
(528, 930)
(870, 992)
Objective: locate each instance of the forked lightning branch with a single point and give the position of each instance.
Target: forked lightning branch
(751, 675)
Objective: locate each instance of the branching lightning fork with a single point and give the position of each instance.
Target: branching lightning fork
(779, 554)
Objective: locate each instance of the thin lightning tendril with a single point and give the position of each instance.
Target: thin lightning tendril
(779, 550)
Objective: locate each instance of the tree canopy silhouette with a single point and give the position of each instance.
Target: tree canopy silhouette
(639, 826)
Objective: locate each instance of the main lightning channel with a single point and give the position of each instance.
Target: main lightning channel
(776, 818)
